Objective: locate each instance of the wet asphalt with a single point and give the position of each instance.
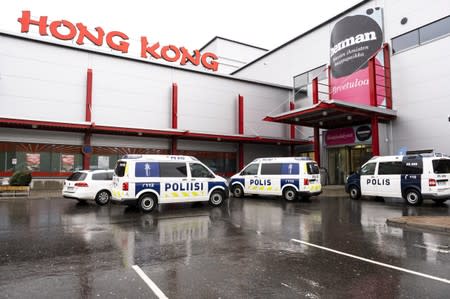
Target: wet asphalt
(63, 249)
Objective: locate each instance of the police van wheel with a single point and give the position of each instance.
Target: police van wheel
(354, 192)
(413, 197)
(289, 194)
(102, 197)
(216, 198)
(147, 203)
(238, 192)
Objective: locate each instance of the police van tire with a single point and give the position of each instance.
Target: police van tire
(102, 197)
(147, 202)
(216, 198)
(413, 197)
(354, 192)
(238, 192)
(289, 194)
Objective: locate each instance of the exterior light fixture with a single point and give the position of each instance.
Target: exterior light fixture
(140, 133)
(320, 123)
(219, 139)
(34, 126)
(349, 117)
(324, 113)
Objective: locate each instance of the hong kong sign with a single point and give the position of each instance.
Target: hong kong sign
(354, 40)
(116, 41)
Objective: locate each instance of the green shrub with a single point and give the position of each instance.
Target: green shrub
(20, 178)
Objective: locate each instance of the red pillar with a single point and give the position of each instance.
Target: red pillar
(173, 146)
(387, 76)
(292, 127)
(87, 155)
(241, 115)
(317, 145)
(372, 83)
(315, 91)
(88, 114)
(174, 106)
(88, 118)
(375, 137)
(241, 156)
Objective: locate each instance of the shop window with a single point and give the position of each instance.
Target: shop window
(172, 170)
(405, 41)
(270, 168)
(434, 30)
(390, 168)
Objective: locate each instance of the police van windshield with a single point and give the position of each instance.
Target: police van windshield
(441, 166)
(120, 168)
(312, 168)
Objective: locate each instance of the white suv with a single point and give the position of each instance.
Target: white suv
(89, 185)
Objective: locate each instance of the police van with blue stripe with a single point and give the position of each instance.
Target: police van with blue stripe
(289, 177)
(149, 180)
(412, 177)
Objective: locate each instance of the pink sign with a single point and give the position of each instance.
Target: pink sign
(340, 136)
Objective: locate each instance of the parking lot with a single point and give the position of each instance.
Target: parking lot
(252, 247)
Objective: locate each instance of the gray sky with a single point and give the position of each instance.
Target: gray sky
(188, 23)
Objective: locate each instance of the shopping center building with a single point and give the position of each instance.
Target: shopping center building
(370, 81)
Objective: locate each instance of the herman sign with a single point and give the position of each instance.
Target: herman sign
(116, 40)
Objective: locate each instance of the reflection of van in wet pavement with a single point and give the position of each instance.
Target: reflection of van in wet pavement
(288, 177)
(412, 177)
(148, 180)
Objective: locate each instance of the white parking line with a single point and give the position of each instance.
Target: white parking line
(373, 262)
(149, 282)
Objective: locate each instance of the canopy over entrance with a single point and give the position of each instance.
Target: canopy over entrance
(331, 114)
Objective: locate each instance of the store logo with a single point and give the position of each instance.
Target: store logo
(363, 133)
(116, 40)
(348, 42)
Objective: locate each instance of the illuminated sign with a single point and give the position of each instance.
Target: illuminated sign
(115, 40)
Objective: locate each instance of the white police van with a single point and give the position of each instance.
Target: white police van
(148, 180)
(289, 177)
(412, 177)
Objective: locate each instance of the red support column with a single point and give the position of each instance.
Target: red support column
(241, 115)
(292, 132)
(329, 82)
(315, 91)
(317, 146)
(387, 76)
(88, 115)
(375, 137)
(174, 106)
(86, 155)
(241, 156)
(173, 146)
(372, 83)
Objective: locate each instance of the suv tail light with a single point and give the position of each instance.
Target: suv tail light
(305, 182)
(81, 184)
(125, 186)
(431, 182)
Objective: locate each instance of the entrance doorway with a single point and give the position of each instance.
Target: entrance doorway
(342, 161)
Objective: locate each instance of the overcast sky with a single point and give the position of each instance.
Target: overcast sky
(188, 23)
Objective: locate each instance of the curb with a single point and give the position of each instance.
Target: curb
(399, 222)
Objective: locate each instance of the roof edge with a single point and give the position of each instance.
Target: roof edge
(233, 41)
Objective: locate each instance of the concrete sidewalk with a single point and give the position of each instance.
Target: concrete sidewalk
(434, 223)
(36, 194)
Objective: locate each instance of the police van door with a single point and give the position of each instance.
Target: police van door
(174, 179)
(388, 179)
(368, 180)
(250, 174)
(200, 176)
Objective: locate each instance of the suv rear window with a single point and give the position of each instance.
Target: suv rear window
(77, 176)
(441, 166)
(120, 168)
(312, 168)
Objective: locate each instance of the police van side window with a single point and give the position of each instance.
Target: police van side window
(390, 168)
(368, 169)
(199, 171)
(412, 166)
(270, 168)
(252, 169)
(172, 170)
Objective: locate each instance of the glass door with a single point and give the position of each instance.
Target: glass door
(338, 165)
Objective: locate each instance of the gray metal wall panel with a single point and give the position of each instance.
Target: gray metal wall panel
(253, 151)
(40, 136)
(206, 146)
(129, 141)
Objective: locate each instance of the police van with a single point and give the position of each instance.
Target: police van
(288, 177)
(149, 180)
(412, 177)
